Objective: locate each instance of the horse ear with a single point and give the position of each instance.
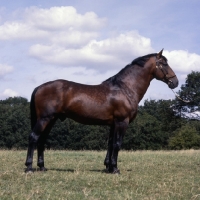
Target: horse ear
(159, 55)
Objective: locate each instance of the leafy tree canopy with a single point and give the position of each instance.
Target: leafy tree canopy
(190, 91)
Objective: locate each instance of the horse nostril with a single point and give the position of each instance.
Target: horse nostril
(171, 84)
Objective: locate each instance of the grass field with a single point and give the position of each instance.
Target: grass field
(78, 175)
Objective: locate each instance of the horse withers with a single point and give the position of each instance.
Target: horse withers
(114, 102)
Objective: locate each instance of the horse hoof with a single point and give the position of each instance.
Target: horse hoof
(112, 171)
(28, 170)
(116, 171)
(106, 170)
(43, 169)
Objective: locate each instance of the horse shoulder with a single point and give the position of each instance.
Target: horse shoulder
(123, 106)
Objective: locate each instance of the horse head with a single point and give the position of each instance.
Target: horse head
(164, 72)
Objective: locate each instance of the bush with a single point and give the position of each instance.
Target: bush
(185, 137)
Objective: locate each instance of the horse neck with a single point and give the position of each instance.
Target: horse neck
(138, 79)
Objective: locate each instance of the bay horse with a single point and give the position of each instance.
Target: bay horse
(114, 102)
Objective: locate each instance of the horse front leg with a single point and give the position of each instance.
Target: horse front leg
(119, 131)
(107, 161)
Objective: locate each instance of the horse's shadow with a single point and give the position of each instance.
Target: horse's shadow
(73, 170)
(90, 170)
(98, 170)
(61, 170)
(52, 169)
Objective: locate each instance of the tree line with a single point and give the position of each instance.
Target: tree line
(160, 124)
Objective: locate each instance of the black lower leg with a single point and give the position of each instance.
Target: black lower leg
(108, 157)
(113, 168)
(33, 138)
(120, 128)
(107, 160)
(40, 153)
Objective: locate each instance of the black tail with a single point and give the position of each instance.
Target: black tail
(32, 109)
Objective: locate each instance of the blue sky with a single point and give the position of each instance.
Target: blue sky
(88, 41)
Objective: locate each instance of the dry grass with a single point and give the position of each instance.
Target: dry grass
(78, 175)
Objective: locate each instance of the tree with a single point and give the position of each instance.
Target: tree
(14, 123)
(153, 126)
(190, 91)
(185, 137)
(72, 135)
(163, 111)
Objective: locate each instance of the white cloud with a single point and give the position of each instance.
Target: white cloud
(5, 69)
(129, 42)
(183, 61)
(59, 24)
(9, 93)
(64, 37)
(61, 18)
(113, 52)
(19, 30)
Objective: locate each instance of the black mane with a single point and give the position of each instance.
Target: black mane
(140, 61)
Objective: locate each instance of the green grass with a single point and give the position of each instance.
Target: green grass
(78, 175)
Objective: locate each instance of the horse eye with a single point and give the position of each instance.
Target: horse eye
(164, 64)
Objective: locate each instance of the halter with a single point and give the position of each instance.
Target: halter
(166, 76)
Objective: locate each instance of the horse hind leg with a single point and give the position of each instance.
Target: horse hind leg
(33, 141)
(33, 138)
(40, 152)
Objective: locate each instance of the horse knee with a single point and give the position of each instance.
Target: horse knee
(117, 146)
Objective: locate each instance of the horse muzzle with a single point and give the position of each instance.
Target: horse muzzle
(172, 82)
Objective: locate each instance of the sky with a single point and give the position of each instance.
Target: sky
(88, 41)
